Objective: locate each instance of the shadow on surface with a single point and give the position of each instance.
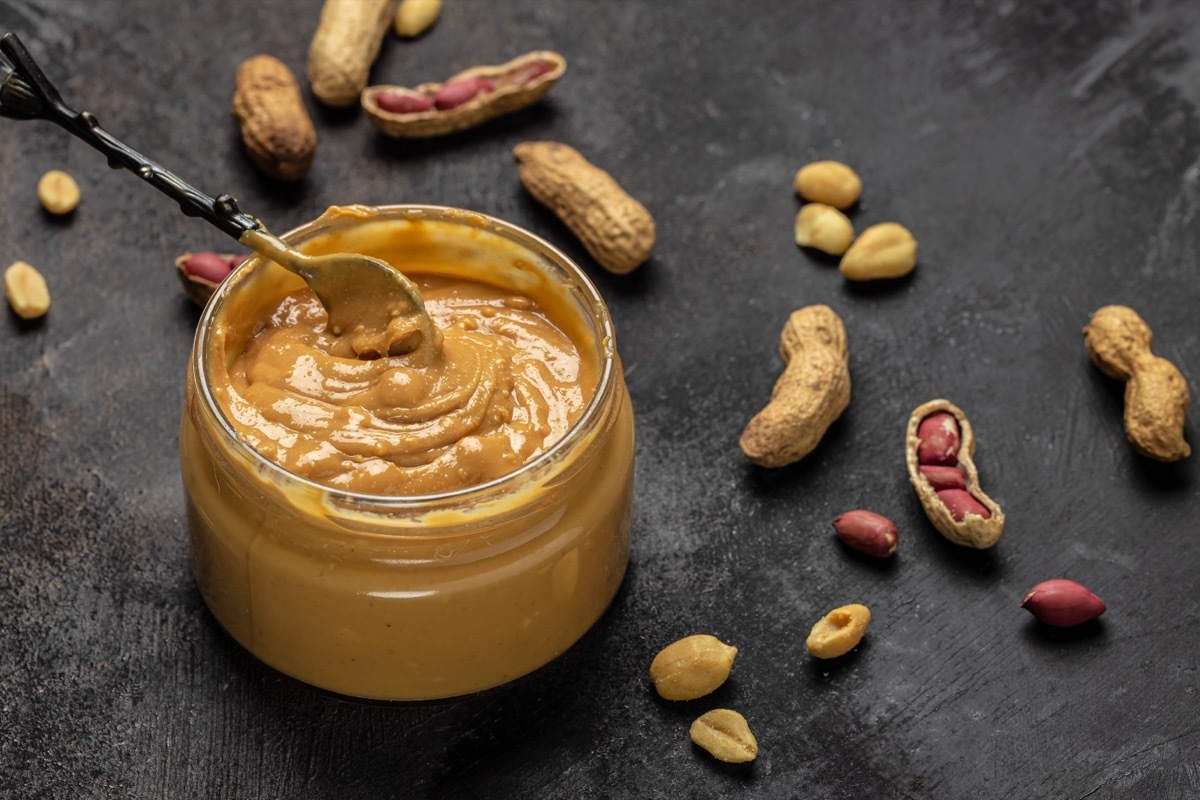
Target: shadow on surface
(1039, 634)
(495, 130)
(767, 481)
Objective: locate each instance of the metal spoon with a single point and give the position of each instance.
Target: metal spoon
(365, 298)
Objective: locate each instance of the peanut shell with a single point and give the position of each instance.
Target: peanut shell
(1156, 404)
(812, 392)
(344, 46)
(510, 92)
(270, 114)
(615, 228)
(973, 530)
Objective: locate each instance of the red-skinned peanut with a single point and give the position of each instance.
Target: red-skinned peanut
(455, 93)
(867, 532)
(960, 502)
(398, 103)
(940, 439)
(209, 266)
(943, 477)
(1062, 603)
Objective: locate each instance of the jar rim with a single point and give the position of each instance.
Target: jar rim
(593, 307)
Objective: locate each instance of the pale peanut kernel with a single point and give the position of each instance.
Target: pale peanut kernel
(414, 17)
(58, 192)
(692, 667)
(828, 182)
(886, 250)
(825, 228)
(726, 735)
(26, 290)
(839, 631)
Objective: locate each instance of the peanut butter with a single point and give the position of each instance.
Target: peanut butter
(505, 385)
(401, 529)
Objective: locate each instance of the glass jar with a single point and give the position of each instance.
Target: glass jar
(410, 598)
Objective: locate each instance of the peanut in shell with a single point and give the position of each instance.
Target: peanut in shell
(615, 228)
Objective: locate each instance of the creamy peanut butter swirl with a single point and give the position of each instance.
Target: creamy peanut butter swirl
(507, 384)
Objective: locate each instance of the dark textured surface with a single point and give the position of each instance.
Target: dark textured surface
(1046, 156)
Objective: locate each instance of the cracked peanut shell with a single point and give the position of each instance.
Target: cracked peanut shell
(517, 84)
(972, 530)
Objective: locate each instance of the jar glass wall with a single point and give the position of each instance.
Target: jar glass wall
(407, 598)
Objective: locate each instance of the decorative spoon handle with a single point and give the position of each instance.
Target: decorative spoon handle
(26, 93)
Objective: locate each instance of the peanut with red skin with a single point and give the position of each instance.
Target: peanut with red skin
(400, 103)
(202, 272)
(455, 93)
(1062, 603)
(960, 502)
(867, 532)
(940, 440)
(943, 477)
(954, 503)
(209, 266)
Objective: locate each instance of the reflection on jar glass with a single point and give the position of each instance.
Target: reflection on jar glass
(404, 597)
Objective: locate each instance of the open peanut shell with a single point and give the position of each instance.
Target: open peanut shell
(198, 288)
(973, 530)
(514, 85)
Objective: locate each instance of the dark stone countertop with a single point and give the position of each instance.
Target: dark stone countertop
(1046, 156)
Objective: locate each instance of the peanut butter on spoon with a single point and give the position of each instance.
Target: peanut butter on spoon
(374, 310)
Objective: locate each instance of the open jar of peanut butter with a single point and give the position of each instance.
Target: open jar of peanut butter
(399, 529)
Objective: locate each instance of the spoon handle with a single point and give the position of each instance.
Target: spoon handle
(26, 93)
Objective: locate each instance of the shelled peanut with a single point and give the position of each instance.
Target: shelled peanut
(616, 229)
(867, 532)
(839, 631)
(726, 736)
(939, 445)
(692, 667)
(271, 118)
(414, 17)
(58, 192)
(1156, 394)
(823, 227)
(831, 183)
(470, 98)
(346, 43)
(809, 396)
(26, 291)
(1063, 603)
(886, 250)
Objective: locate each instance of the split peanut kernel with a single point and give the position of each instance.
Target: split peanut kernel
(887, 250)
(725, 735)
(839, 631)
(825, 228)
(414, 17)
(58, 192)
(692, 667)
(26, 290)
(829, 182)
